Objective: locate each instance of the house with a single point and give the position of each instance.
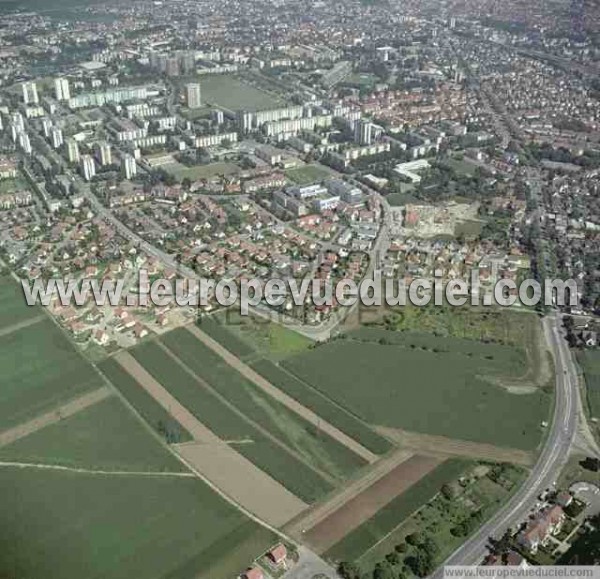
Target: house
(514, 559)
(101, 338)
(544, 524)
(278, 555)
(563, 499)
(254, 573)
(140, 331)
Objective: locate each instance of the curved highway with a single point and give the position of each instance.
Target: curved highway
(550, 463)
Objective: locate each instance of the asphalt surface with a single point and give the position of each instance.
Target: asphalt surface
(551, 461)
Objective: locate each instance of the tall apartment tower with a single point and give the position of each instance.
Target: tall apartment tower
(72, 151)
(88, 167)
(363, 132)
(30, 94)
(129, 166)
(62, 91)
(193, 95)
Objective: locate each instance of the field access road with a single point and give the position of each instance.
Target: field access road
(551, 461)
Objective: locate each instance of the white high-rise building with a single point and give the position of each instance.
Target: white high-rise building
(129, 166)
(47, 126)
(62, 91)
(57, 137)
(88, 167)
(30, 94)
(193, 95)
(25, 143)
(72, 151)
(103, 154)
(363, 132)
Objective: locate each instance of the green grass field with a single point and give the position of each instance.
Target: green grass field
(61, 525)
(427, 387)
(40, 370)
(323, 406)
(229, 425)
(246, 336)
(152, 412)
(105, 436)
(353, 545)
(589, 360)
(181, 172)
(230, 92)
(308, 174)
(13, 308)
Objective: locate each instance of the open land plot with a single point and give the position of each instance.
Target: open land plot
(589, 361)
(231, 472)
(121, 527)
(13, 309)
(104, 436)
(150, 410)
(323, 406)
(364, 505)
(181, 172)
(323, 447)
(450, 516)
(40, 371)
(221, 419)
(308, 174)
(433, 392)
(246, 335)
(232, 93)
(355, 543)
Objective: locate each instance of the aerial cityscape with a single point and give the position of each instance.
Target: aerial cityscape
(299, 289)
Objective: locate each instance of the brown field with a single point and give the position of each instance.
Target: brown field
(321, 511)
(281, 397)
(445, 447)
(56, 415)
(217, 462)
(364, 505)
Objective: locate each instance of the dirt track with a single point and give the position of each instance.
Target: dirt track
(442, 446)
(364, 505)
(21, 325)
(233, 474)
(56, 415)
(320, 511)
(280, 396)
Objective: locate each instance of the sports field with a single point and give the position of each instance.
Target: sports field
(181, 172)
(61, 525)
(443, 386)
(234, 94)
(308, 174)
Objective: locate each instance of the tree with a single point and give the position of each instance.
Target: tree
(348, 570)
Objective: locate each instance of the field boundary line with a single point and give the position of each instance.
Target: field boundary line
(79, 470)
(281, 397)
(21, 325)
(205, 384)
(55, 415)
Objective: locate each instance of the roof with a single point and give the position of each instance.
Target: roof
(254, 573)
(278, 553)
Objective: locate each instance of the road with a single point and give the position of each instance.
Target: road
(551, 461)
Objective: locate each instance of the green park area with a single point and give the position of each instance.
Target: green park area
(181, 172)
(308, 174)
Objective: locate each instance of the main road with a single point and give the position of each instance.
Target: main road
(551, 461)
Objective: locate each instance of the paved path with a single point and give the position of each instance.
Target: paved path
(73, 407)
(281, 397)
(234, 475)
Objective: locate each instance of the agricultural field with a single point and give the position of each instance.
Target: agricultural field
(306, 462)
(248, 336)
(118, 527)
(232, 93)
(444, 522)
(41, 370)
(441, 386)
(13, 309)
(589, 361)
(387, 519)
(308, 174)
(152, 412)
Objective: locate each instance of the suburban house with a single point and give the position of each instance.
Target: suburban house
(254, 573)
(278, 555)
(544, 524)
